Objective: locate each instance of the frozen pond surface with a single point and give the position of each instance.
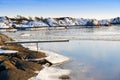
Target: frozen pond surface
(94, 52)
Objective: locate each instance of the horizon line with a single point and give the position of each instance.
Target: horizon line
(59, 17)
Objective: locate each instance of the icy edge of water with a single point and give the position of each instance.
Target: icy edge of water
(55, 58)
(52, 73)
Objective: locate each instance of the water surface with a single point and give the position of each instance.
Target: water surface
(94, 52)
(94, 60)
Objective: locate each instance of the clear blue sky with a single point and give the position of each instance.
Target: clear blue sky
(59, 8)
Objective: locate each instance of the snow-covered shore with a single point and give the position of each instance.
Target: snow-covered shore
(53, 72)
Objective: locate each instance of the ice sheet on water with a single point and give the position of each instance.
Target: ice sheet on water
(55, 58)
(50, 73)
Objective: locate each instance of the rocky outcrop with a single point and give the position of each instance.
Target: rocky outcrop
(16, 67)
(22, 22)
(115, 20)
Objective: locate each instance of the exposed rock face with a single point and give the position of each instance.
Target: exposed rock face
(115, 20)
(15, 67)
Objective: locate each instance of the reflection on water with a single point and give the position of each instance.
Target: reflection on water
(93, 60)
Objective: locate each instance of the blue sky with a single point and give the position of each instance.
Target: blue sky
(60, 8)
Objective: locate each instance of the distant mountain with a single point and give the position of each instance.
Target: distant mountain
(19, 21)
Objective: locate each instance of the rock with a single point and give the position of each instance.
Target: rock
(14, 67)
(28, 65)
(24, 53)
(45, 62)
(15, 74)
(7, 65)
(2, 58)
(34, 55)
(64, 77)
(4, 38)
(14, 47)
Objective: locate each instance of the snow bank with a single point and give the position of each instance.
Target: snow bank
(104, 22)
(50, 73)
(7, 51)
(81, 21)
(52, 57)
(37, 24)
(55, 58)
(69, 22)
(52, 22)
(3, 25)
(25, 35)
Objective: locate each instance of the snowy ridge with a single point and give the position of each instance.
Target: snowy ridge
(6, 22)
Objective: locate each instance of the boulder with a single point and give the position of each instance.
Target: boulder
(2, 58)
(64, 77)
(7, 65)
(16, 67)
(15, 74)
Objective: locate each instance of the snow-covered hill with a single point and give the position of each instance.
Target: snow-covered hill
(6, 22)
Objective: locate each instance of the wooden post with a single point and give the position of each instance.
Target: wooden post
(37, 47)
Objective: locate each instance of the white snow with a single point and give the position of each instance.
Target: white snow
(3, 25)
(104, 22)
(55, 58)
(81, 21)
(95, 22)
(115, 20)
(37, 24)
(69, 22)
(25, 34)
(2, 19)
(52, 22)
(62, 23)
(51, 73)
(65, 21)
(7, 51)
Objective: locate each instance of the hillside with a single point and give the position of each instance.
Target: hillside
(20, 21)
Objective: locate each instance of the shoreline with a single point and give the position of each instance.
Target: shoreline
(53, 72)
(17, 62)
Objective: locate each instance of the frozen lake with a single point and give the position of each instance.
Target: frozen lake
(94, 52)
